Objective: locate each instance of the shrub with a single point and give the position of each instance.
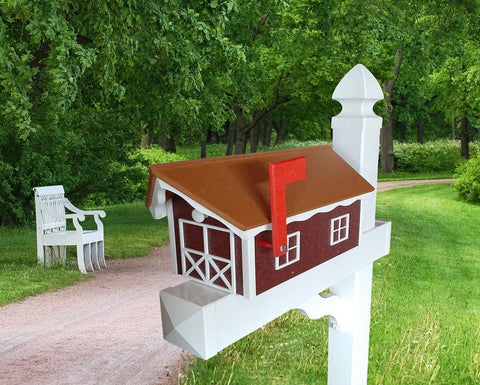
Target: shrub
(131, 180)
(468, 180)
(439, 155)
(154, 155)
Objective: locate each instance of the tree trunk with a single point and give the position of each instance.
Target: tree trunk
(203, 148)
(230, 126)
(204, 142)
(420, 133)
(167, 143)
(267, 133)
(280, 132)
(241, 133)
(464, 148)
(254, 138)
(146, 140)
(387, 163)
(241, 138)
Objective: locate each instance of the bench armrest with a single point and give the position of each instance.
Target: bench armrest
(97, 214)
(76, 210)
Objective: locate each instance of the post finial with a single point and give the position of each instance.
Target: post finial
(357, 92)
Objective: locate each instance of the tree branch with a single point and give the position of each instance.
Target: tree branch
(261, 23)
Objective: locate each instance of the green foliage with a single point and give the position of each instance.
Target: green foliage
(131, 177)
(435, 156)
(51, 131)
(468, 180)
(453, 82)
(81, 82)
(193, 152)
(154, 155)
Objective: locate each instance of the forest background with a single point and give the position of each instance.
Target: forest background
(84, 84)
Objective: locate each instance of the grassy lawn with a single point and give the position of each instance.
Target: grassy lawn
(130, 231)
(425, 307)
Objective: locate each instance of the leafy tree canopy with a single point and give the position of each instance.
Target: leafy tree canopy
(82, 82)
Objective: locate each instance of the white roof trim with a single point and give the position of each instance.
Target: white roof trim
(158, 209)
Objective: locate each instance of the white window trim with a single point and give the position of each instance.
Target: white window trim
(336, 229)
(290, 250)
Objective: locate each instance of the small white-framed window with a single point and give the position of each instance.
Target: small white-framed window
(293, 252)
(339, 227)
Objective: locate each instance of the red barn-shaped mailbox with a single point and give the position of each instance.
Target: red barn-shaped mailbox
(260, 234)
(219, 206)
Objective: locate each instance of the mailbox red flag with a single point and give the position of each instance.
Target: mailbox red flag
(280, 175)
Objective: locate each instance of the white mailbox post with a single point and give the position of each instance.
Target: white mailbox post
(262, 234)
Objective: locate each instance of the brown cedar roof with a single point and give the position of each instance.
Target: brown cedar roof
(236, 187)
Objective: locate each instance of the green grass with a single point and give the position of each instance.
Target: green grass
(404, 175)
(425, 307)
(19, 275)
(130, 231)
(426, 291)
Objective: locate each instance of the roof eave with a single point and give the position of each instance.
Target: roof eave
(158, 209)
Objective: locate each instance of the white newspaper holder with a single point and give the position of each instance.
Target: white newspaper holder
(261, 234)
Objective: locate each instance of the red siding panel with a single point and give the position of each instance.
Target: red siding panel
(314, 246)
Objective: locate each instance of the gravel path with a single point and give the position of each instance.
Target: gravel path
(105, 330)
(384, 186)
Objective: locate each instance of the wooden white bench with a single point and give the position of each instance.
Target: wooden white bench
(53, 236)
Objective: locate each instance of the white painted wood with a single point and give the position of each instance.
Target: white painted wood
(171, 233)
(53, 236)
(356, 134)
(356, 130)
(348, 347)
(248, 267)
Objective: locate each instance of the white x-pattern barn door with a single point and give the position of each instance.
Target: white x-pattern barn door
(208, 254)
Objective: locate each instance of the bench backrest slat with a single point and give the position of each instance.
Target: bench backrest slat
(53, 197)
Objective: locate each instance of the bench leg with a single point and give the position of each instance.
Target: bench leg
(101, 254)
(54, 255)
(87, 256)
(81, 259)
(94, 250)
(40, 253)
